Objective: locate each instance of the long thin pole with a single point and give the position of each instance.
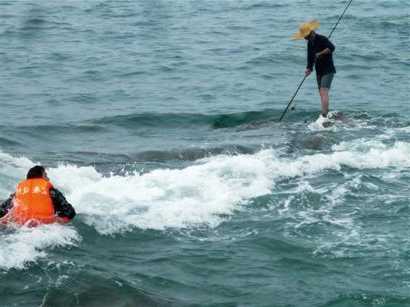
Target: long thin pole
(293, 97)
(340, 18)
(303, 80)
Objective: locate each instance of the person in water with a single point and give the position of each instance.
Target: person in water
(320, 53)
(36, 201)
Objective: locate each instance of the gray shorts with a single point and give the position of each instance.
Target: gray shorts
(324, 81)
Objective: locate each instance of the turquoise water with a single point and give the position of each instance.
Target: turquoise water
(159, 121)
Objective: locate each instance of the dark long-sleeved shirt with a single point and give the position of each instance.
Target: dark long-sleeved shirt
(62, 207)
(324, 64)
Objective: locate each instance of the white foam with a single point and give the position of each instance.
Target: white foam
(322, 123)
(163, 198)
(8, 162)
(26, 245)
(201, 193)
(371, 155)
(208, 191)
(336, 122)
(12, 167)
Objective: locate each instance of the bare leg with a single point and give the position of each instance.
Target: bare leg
(324, 100)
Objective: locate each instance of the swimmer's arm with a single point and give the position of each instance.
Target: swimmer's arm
(62, 207)
(6, 206)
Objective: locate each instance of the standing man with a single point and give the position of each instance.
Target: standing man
(319, 52)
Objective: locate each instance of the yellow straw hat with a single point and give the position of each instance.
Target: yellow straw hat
(305, 29)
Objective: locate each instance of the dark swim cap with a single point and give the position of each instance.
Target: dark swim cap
(36, 172)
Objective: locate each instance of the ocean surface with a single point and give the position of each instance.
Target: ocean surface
(158, 120)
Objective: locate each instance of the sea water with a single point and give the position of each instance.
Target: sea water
(159, 122)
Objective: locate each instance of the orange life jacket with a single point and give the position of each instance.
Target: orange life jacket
(32, 203)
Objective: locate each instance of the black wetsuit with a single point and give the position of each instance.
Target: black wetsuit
(324, 64)
(62, 207)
